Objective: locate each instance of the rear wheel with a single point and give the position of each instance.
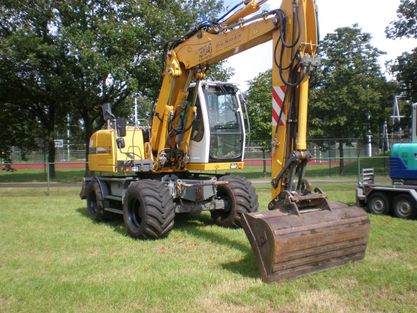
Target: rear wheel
(378, 203)
(404, 206)
(95, 201)
(239, 196)
(148, 210)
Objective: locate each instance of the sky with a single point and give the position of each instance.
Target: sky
(372, 16)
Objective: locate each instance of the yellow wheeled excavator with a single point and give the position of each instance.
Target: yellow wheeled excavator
(149, 173)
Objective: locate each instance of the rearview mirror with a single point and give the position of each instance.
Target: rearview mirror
(107, 114)
(120, 142)
(121, 127)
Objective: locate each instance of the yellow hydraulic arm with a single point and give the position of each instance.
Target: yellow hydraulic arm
(293, 30)
(302, 232)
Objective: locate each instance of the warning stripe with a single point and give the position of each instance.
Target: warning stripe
(278, 95)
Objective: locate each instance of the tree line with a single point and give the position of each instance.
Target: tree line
(60, 61)
(350, 95)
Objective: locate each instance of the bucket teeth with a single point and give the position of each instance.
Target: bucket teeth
(288, 245)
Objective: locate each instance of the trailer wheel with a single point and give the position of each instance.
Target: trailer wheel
(240, 197)
(404, 206)
(378, 203)
(95, 201)
(148, 210)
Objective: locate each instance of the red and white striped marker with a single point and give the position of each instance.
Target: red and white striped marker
(278, 95)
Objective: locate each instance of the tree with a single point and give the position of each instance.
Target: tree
(349, 89)
(405, 66)
(259, 103)
(406, 23)
(20, 135)
(406, 70)
(118, 49)
(73, 56)
(31, 66)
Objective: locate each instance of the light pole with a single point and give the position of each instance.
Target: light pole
(369, 136)
(68, 137)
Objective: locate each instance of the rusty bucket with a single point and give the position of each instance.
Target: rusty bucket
(288, 245)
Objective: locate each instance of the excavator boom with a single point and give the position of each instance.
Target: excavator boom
(302, 232)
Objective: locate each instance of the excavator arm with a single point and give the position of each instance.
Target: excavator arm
(302, 232)
(293, 30)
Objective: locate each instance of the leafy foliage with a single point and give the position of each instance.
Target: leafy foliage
(406, 65)
(348, 95)
(259, 102)
(70, 57)
(406, 69)
(21, 134)
(406, 23)
(349, 89)
(351, 93)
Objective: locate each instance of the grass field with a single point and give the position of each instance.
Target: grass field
(54, 258)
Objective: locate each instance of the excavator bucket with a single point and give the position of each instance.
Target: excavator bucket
(288, 244)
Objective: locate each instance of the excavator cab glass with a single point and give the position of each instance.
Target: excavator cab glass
(226, 132)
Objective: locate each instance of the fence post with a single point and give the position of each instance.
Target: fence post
(330, 161)
(330, 165)
(359, 167)
(264, 160)
(48, 178)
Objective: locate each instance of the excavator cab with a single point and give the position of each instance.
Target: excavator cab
(218, 131)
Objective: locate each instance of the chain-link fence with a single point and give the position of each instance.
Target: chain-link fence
(64, 153)
(332, 158)
(325, 148)
(67, 174)
(322, 149)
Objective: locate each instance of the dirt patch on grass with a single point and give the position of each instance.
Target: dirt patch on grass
(319, 301)
(346, 283)
(384, 255)
(213, 301)
(7, 303)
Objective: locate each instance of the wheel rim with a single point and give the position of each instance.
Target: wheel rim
(404, 208)
(134, 213)
(378, 205)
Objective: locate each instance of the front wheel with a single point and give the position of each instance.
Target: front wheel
(405, 206)
(148, 210)
(239, 196)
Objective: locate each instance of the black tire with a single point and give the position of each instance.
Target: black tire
(240, 197)
(148, 210)
(404, 206)
(378, 203)
(95, 201)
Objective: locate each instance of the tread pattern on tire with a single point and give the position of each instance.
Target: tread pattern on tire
(157, 206)
(99, 214)
(245, 200)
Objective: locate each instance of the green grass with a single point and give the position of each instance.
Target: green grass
(54, 258)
